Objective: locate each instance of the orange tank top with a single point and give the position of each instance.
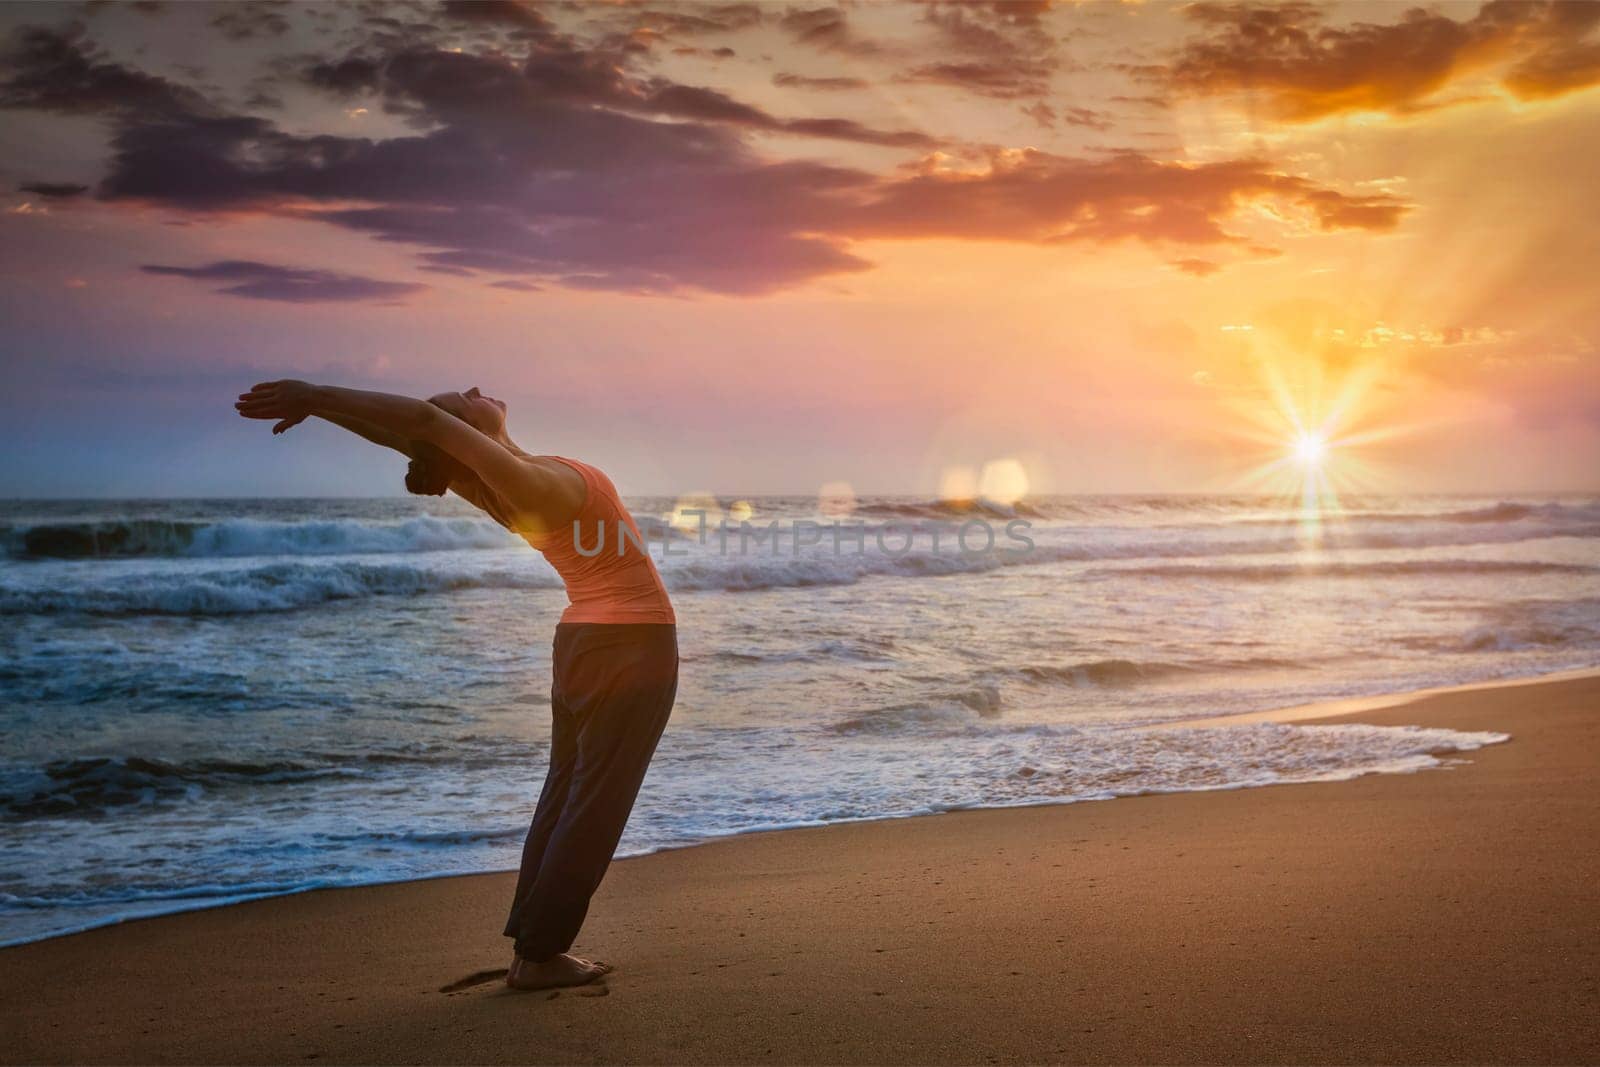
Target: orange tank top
(603, 559)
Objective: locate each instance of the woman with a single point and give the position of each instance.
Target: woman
(616, 649)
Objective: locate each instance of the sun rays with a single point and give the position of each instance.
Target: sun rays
(1318, 404)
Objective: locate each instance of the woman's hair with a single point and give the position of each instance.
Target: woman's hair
(432, 470)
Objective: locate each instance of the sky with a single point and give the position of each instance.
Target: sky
(742, 247)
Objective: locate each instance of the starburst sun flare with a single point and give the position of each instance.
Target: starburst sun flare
(1310, 450)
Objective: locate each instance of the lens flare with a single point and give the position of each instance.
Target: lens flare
(1003, 481)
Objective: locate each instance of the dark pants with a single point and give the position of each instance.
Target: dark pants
(613, 691)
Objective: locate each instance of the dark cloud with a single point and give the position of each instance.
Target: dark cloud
(829, 30)
(143, 7)
(349, 75)
(516, 286)
(710, 105)
(737, 229)
(295, 285)
(556, 168)
(245, 19)
(997, 49)
(850, 130)
(53, 190)
(1306, 70)
(801, 81)
(1006, 80)
(994, 30)
(59, 70)
(1143, 101)
(445, 85)
(698, 20)
(1086, 117)
(497, 12)
(1046, 116)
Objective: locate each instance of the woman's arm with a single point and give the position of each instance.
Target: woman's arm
(361, 429)
(375, 434)
(525, 486)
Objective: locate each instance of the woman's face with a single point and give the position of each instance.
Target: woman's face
(483, 413)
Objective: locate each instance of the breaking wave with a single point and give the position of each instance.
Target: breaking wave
(136, 538)
(273, 587)
(92, 785)
(295, 584)
(1125, 672)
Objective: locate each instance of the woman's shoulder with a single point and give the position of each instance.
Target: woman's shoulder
(556, 492)
(561, 469)
(572, 484)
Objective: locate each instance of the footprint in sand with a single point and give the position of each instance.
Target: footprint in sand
(475, 978)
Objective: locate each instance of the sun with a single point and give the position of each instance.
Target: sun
(1310, 449)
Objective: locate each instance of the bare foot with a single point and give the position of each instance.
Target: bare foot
(554, 973)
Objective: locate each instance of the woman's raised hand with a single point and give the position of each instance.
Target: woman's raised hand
(288, 401)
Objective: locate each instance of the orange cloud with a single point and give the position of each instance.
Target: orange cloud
(1556, 72)
(1305, 70)
(1033, 196)
(1200, 268)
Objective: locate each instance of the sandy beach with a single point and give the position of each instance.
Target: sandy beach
(1444, 916)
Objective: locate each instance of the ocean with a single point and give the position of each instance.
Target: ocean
(207, 701)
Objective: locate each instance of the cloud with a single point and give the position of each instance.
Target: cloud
(1086, 117)
(53, 190)
(1335, 211)
(516, 286)
(801, 81)
(246, 19)
(50, 70)
(496, 12)
(1556, 72)
(689, 102)
(294, 285)
(1042, 113)
(699, 20)
(1045, 115)
(1200, 268)
(1305, 70)
(1037, 197)
(827, 29)
(561, 168)
(1005, 80)
(998, 49)
(441, 85)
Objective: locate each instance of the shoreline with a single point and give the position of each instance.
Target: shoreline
(1442, 917)
(1342, 708)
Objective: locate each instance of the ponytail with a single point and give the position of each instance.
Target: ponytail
(431, 470)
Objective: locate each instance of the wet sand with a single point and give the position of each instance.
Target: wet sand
(1446, 916)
